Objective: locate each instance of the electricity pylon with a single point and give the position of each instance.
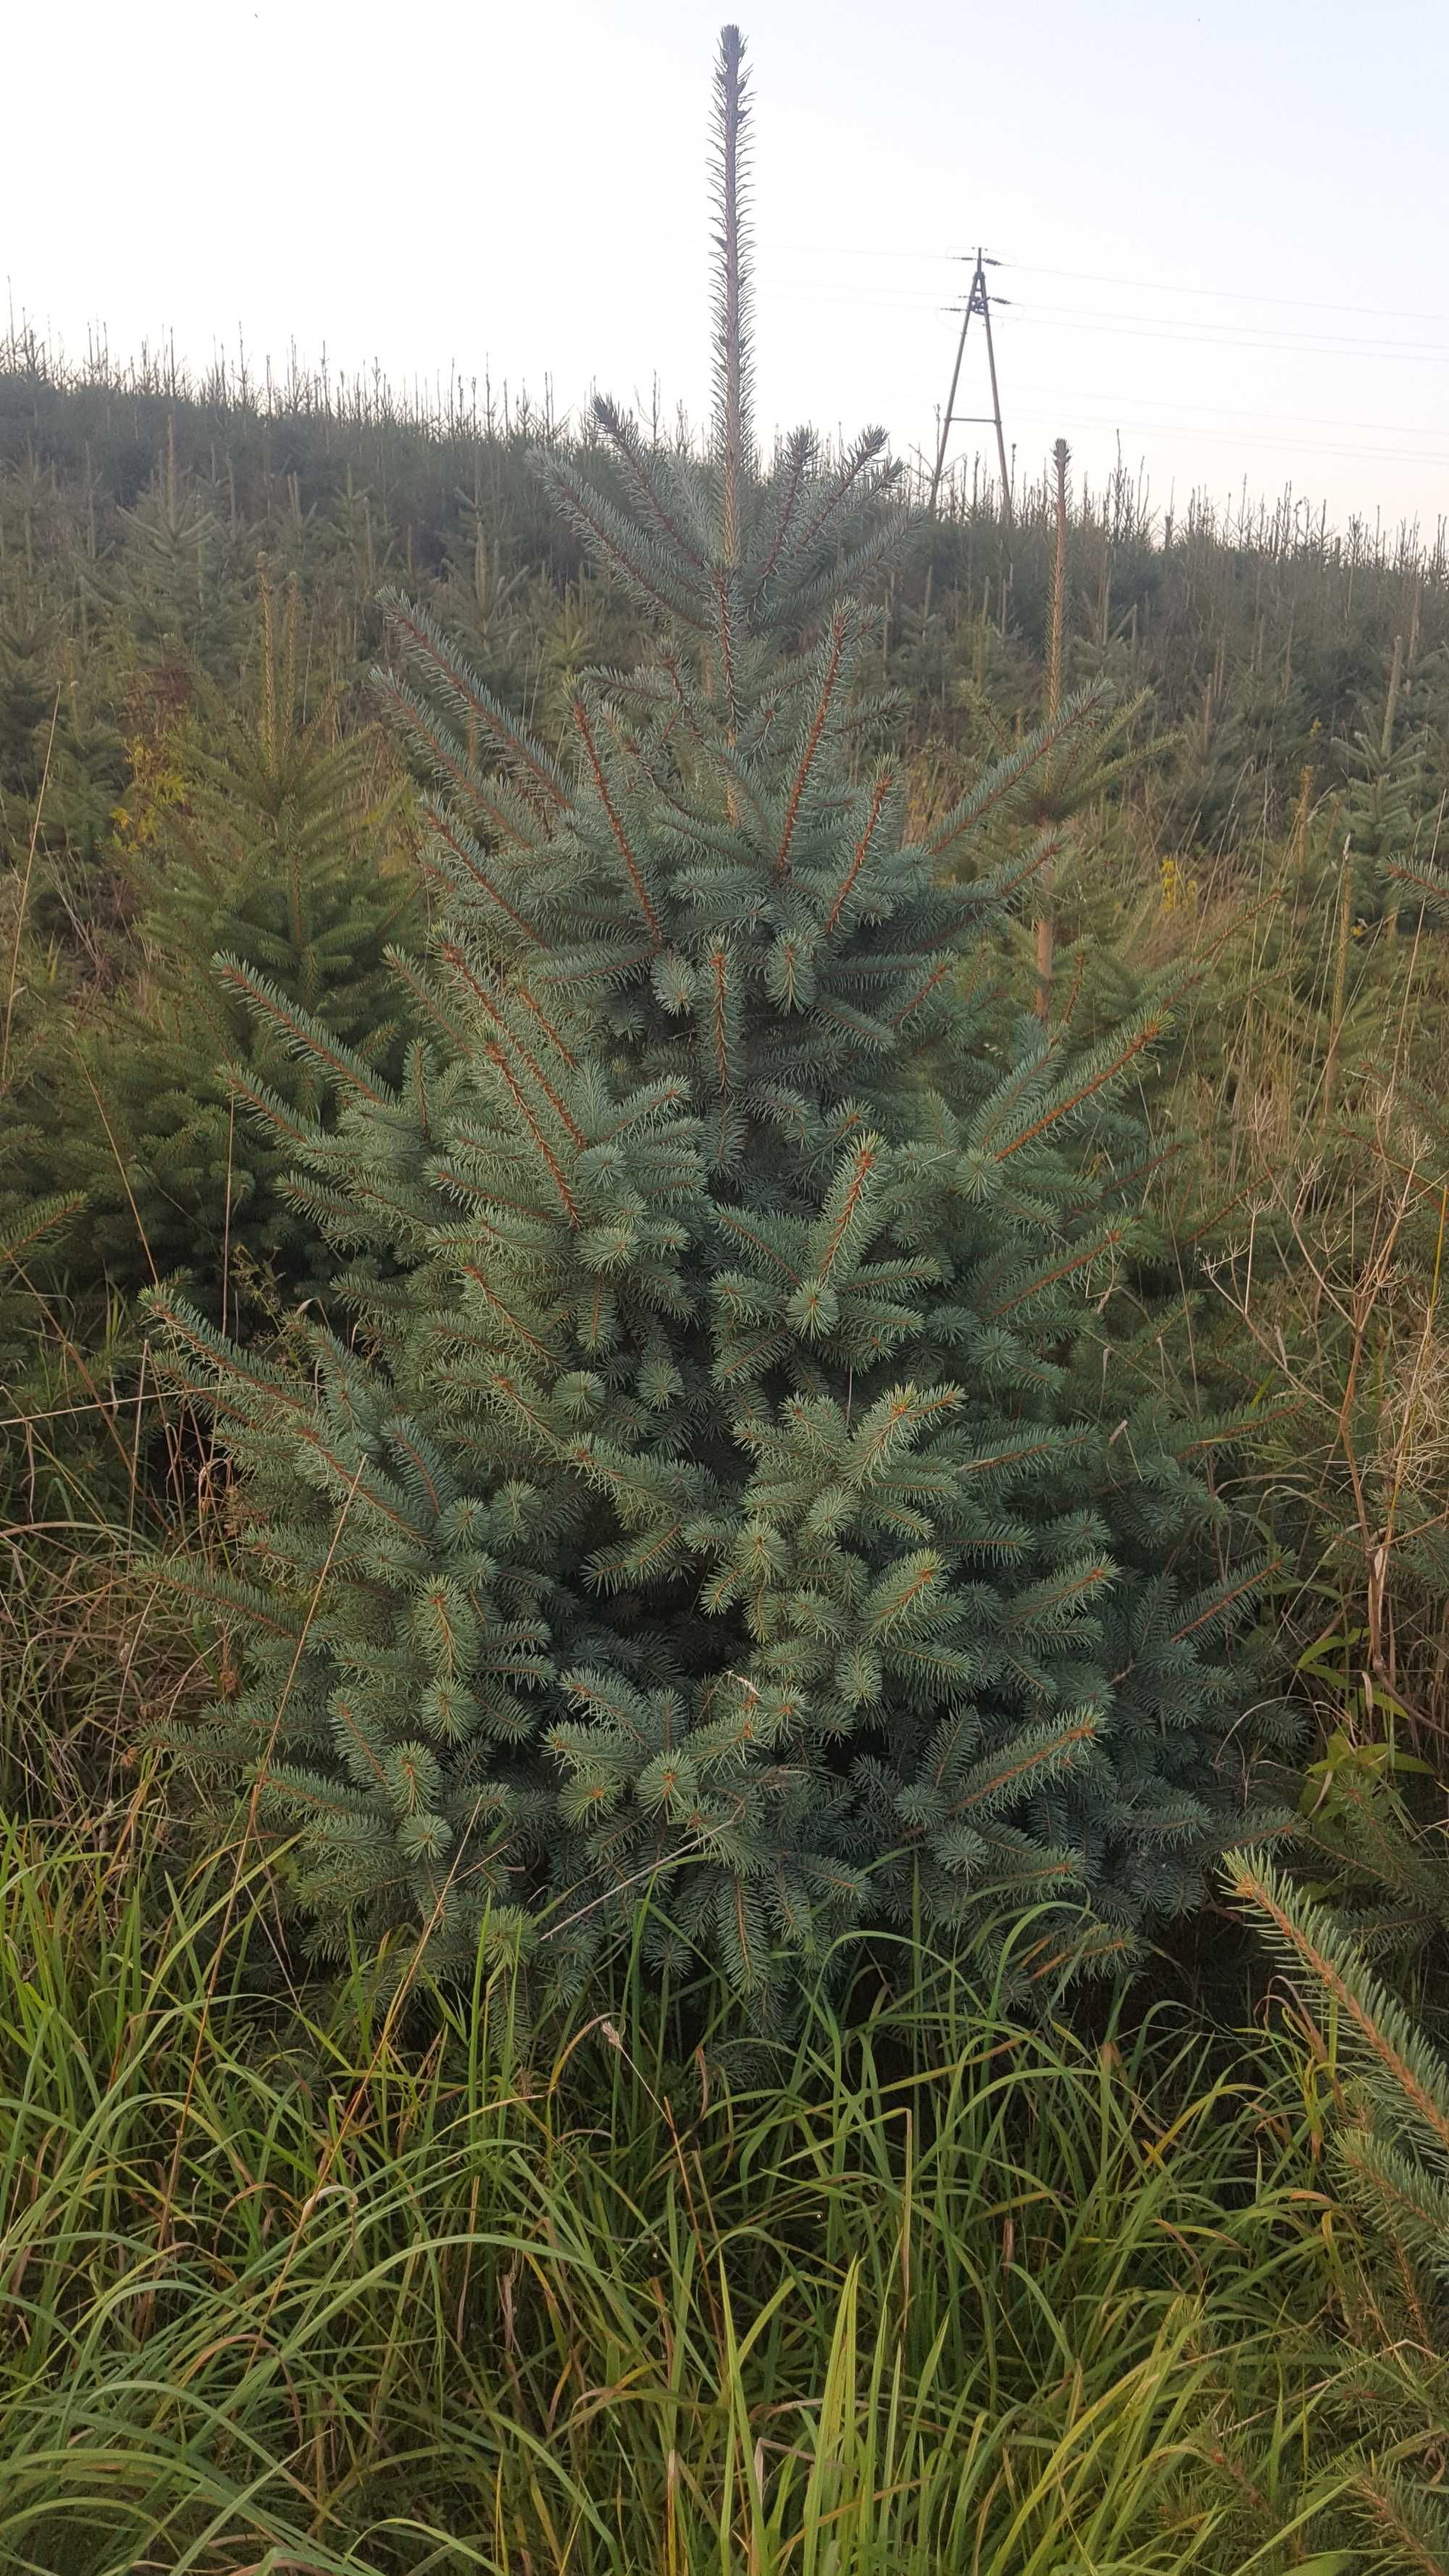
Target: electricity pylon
(978, 301)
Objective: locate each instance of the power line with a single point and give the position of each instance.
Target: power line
(1190, 332)
(1059, 405)
(1250, 334)
(1198, 331)
(814, 251)
(1142, 326)
(1233, 411)
(1226, 437)
(1230, 294)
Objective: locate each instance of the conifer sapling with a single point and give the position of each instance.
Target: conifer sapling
(731, 1499)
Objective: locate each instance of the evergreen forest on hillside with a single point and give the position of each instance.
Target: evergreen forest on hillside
(724, 1433)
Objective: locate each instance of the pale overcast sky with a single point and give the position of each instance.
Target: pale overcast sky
(1225, 229)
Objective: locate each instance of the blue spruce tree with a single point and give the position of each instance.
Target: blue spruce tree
(734, 1493)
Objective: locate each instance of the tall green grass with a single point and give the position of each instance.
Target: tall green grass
(953, 2286)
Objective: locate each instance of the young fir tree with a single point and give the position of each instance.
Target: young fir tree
(1387, 2123)
(276, 849)
(32, 1220)
(731, 1492)
(1385, 797)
